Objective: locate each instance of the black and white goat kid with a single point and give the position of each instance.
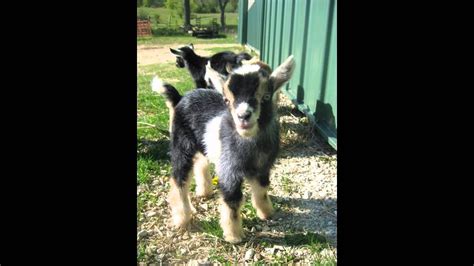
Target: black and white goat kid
(239, 133)
(222, 62)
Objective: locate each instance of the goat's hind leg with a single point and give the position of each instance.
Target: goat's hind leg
(180, 203)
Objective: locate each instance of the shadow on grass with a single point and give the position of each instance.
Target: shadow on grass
(157, 150)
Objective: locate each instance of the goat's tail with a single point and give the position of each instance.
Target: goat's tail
(168, 91)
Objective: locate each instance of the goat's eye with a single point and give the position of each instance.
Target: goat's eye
(267, 97)
(226, 100)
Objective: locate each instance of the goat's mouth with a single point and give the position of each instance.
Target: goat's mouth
(247, 129)
(244, 124)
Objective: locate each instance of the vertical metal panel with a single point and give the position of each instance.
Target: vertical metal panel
(287, 35)
(296, 89)
(242, 21)
(306, 29)
(254, 25)
(262, 23)
(328, 115)
(267, 31)
(279, 37)
(317, 37)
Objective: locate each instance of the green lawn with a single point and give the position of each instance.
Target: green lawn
(183, 39)
(166, 29)
(167, 16)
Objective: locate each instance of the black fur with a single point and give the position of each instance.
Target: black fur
(240, 157)
(196, 65)
(220, 60)
(171, 94)
(239, 131)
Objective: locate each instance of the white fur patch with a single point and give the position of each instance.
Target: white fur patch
(246, 69)
(157, 85)
(216, 78)
(212, 140)
(242, 108)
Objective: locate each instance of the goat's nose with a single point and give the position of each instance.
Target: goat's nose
(244, 116)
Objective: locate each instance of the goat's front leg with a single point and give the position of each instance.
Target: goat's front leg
(231, 201)
(260, 199)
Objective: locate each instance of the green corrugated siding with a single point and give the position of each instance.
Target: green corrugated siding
(308, 30)
(254, 23)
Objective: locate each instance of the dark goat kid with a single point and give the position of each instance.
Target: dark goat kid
(221, 62)
(239, 133)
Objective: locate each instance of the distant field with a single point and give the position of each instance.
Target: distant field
(169, 17)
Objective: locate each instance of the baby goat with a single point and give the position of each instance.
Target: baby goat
(196, 65)
(237, 131)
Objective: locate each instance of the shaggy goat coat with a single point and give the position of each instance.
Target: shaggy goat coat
(239, 133)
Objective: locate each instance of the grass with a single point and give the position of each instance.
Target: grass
(170, 17)
(287, 184)
(152, 118)
(215, 255)
(211, 227)
(230, 38)
(167, 31)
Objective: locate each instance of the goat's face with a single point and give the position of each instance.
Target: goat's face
(248, 88)
(180, 53)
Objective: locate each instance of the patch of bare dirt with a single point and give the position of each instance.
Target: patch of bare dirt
(157, 54)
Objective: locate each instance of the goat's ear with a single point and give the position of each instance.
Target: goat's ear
(191, 46)
(216, 79)
(283, 73)
(241, 57)
(229, 68)
(250, 61)
(176, 52)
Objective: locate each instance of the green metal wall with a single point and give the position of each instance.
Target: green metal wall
(308, 30)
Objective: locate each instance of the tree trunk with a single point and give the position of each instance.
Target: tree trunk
(187, 15)
(223, 20)
(222, 4)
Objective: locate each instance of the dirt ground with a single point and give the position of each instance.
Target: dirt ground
(158, 54)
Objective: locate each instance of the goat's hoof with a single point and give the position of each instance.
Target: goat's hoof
(265, 215)
(233, 239)
(203, 193)
(181, 222)
(193, 210)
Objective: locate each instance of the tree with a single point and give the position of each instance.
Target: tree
(222, 4)
(187, 15)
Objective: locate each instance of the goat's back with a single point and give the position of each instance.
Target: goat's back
(198, 107)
